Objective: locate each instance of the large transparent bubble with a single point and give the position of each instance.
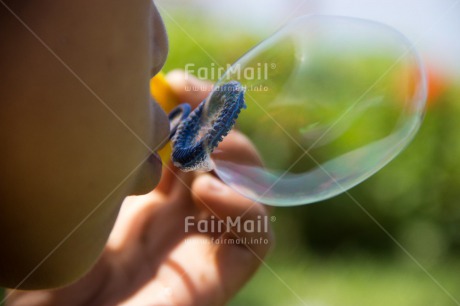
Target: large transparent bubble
(330, 101)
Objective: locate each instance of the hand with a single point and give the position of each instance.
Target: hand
(151, 260)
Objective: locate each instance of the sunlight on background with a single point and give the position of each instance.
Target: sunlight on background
(433, 25)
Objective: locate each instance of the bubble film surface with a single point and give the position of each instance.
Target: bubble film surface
(330, 101)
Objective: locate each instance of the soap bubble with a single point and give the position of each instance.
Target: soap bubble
(330, 101)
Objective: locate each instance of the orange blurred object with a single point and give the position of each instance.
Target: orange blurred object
(437, 84)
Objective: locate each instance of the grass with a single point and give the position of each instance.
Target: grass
(349, 281)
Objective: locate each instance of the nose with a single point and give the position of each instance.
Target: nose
(159, 41)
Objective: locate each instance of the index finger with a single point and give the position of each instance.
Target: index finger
(188, 88)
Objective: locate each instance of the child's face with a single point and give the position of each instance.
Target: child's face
(77, 128)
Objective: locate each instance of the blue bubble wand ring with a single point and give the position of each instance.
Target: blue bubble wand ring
(194, 137)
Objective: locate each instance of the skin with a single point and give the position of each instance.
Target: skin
(67, 164)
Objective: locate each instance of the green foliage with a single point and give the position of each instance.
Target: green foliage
(415, 197)
(354, 281)
(199, 44)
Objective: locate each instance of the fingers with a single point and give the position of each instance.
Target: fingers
(240, 252)
(241, 246)
(238, 149)
(220, 201)
(168, 177)
(188, 88)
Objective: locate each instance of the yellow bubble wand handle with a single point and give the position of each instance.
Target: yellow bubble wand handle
(165, 96)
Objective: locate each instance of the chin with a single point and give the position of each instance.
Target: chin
(148, 176)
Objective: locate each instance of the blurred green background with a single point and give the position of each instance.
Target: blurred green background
(395, 240)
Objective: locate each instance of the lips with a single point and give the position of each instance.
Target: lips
(154, 158)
